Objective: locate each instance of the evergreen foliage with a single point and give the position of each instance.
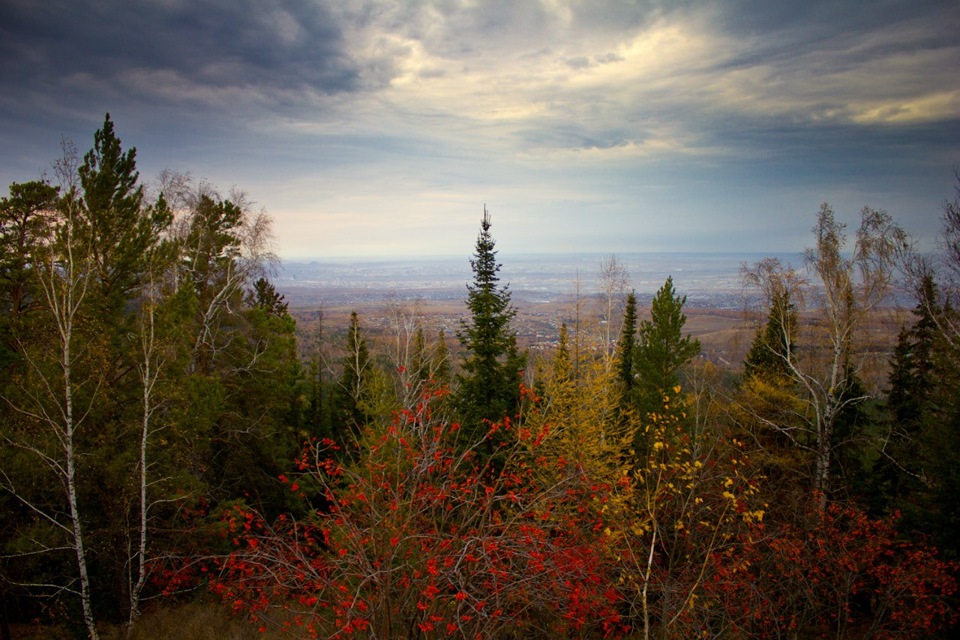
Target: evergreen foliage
(627, 345)
(662, 349)
(896, 478)
(136, 380)
(488, 382)
(772, 350)
(357, 368)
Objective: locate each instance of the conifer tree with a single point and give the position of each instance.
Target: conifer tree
(420, 361)
(662, 349)
(357, 364)
(25, 218)
(898, 471)
(562, 364)
(488, 383)
(120, 228)
(440, 360)
(773, 347)
(265, 296)
(627, 344)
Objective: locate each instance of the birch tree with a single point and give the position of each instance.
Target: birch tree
(56, 393)
(846, 288)
(614, 280)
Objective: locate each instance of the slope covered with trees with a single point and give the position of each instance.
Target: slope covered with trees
(168, 437)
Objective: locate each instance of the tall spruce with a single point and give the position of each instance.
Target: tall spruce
(488, 385)
(899, 469)
(627, 344)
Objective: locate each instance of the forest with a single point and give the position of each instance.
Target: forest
(173, 445)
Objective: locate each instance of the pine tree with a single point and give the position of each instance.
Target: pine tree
(121, 229)
(562, 363)
(265, 296)
(662, 349)
(25, 218)
(488, 383)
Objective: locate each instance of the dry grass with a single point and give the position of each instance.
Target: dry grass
(201, 620)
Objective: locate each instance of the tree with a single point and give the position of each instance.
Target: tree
(488, 383)
(408, 350)
(121, 229)
(848, 290)
(357, 370)
(417, 542)
(687, 503)
(265, 296)
(440, 360)
(627, 345)
(897, 475)
(614, 279)
(774, 344)
(26, 218)
(135, 370)
(52, 403)
(662, 349)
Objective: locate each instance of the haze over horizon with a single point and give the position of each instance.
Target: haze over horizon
(382, 128)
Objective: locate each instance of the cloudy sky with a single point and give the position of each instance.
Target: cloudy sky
(382, 127)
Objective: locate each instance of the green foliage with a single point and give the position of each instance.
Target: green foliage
(135, 377)
(627, 345)
(772, 350)
(354, 383)
(488, 383)
(440, 361)
(120, 230)
(662, 349)
(265, 296)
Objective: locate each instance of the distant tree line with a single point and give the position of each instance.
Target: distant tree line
(167, 433)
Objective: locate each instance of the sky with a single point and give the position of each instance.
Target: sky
(383, 127)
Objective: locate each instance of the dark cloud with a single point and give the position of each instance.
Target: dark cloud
(793, 30)
(261, 45)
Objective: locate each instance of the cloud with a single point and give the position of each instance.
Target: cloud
(356, 108)
(217, 46)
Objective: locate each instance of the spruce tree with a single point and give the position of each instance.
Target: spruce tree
(896, 475)
(356, 368)
(627, 344)
(772, 349)
(265, 296)
(488, 385)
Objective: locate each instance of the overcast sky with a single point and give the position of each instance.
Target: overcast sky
(383, 127)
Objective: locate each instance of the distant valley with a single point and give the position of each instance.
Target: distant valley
(545, 289)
